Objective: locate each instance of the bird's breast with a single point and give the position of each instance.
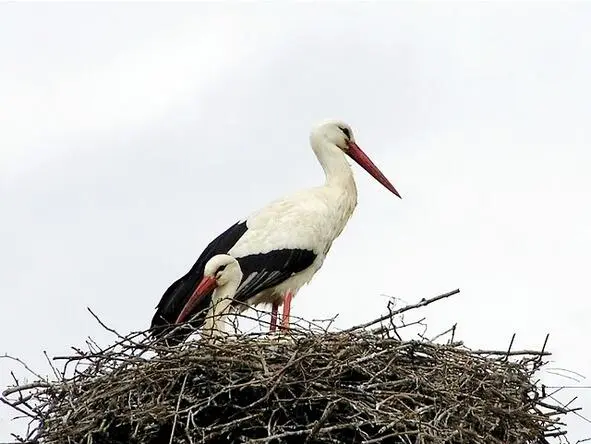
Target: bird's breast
(307, 220)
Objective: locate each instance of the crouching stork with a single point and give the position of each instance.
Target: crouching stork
(222, 276)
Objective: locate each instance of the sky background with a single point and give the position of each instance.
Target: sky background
(131, 135)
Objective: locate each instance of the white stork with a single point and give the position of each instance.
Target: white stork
(222, 275)
(281, 246)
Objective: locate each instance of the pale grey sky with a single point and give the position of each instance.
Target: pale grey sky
(123, 127)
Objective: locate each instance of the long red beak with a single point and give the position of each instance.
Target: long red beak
(361, 158)
(206, 285)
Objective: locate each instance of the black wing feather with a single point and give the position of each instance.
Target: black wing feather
(265, 270)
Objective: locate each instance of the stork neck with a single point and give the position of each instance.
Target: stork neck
(335, 165)
(225, 291)
(221, 300)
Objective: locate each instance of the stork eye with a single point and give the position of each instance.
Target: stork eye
(346, 132)
(222, 268)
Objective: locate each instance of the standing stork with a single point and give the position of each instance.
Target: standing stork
(281, 246)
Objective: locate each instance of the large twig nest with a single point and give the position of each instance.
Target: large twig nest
(315, 387)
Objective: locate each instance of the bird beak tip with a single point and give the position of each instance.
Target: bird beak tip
(365, 162)
(206, 286)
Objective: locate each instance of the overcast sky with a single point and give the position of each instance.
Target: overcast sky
(131, 135)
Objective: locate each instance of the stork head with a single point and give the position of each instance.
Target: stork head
(335, 132)
(222, 269)
(219, 271)
(338, 133)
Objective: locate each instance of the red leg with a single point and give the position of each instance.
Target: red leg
(274, 310)
(286, 310)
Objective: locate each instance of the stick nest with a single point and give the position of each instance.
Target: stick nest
(361, 385)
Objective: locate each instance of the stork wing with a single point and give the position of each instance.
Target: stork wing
(265, 270)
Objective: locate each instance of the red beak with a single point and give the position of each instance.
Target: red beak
(361, 158)
(206, 285)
